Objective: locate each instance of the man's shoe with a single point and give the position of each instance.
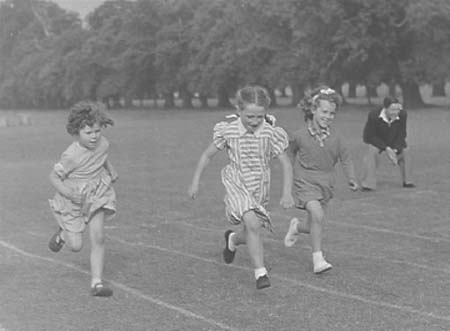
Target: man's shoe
(228, 255)
(262, 282)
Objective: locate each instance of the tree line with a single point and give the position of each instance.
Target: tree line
(147, 49)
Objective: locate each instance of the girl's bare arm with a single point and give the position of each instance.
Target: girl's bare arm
(205, 158)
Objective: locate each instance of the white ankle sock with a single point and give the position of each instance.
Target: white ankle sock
(318, 257)
(95, 281)
(260, 272)
(231, 245)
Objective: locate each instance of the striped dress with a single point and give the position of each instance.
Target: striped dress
(247, 177)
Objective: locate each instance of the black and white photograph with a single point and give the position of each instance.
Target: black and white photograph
(209, 165)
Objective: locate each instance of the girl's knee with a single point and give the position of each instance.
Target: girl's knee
(316, 211)
(252, 222)
(98, 238)
(75, 243)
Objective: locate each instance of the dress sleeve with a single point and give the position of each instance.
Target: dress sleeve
(279, 142)
(64, 166)
(219, 135)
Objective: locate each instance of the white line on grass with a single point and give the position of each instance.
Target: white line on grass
(122, 287)
(306, 247)
(398, 233)
(404, 309)
(377, 229)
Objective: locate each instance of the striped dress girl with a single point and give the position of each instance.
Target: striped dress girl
(247, 177)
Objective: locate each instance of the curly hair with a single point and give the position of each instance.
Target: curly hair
(87, 113)
(311, 100)
(252, 95)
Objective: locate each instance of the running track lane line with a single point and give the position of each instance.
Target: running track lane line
(295, 282)
(122, 287)
(307, 247)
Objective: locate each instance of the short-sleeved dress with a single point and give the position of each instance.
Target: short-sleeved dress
(247, 177)
(315, 156)
(84, 171)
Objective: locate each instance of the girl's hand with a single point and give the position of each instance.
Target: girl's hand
(353, 185)
(193, 190)
(114, 176)
(76, 197)
(287, 201)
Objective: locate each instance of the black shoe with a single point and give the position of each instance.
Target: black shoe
(56, 242)
(262, 282)
(409, 185)
(228, 255)
(366, 189)
(100, 290)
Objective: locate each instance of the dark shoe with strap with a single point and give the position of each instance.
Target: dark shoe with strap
(262, 282)
(409, 185)
(228, 255)
(367, 189)
(56, 242)
(100, 290)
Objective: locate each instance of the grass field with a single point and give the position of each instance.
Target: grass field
(390, 249)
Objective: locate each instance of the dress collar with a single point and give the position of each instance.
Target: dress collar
(319, 134)
(243, 130)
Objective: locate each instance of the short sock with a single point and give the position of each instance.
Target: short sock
(95, 281)
(317, 257)
(260, 272)
(231, 245)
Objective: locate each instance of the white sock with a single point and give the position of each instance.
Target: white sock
(260, 272)
(231, 245)
(317, 257)
(95, 281)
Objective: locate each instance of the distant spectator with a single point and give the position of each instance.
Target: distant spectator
(385, 131)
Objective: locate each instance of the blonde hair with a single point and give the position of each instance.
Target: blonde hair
(311, 101)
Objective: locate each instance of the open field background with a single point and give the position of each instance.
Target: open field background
(390, 249)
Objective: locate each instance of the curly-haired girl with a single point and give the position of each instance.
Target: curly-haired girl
(83, 180)
(316, 149)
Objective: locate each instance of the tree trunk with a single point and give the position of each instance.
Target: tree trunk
(439, 89)
(128, 102)
(371, 91)
(169, 100)
(393, 88)
(203, 98)
(186, 97)
(273, 97)
(411, 95)
(298, 92)
(351, 90)
(222, 98)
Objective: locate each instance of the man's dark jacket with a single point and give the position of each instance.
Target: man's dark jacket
(381, 134)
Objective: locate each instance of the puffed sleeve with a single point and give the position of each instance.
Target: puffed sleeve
(219, 135)
(65, 166)
(279, 142)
